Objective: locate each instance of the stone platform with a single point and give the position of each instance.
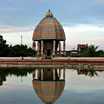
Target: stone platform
(61, 62)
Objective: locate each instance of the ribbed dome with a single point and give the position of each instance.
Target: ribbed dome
(49, 28)
(48, 91)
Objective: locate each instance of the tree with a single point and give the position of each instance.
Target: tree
(100, 53)
(21, 50)
(4, 48)
(90, 51)
(14, 51)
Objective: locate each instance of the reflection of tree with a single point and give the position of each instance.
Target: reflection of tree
(17, 72)
(87, 70)
(48, 84)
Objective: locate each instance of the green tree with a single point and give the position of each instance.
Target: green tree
(14, 51)
(4, 48)
(100, 53)
(90, 51)
(21, 50)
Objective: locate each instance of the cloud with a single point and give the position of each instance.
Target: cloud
(69, 11)
(12, 29)
(82, 33)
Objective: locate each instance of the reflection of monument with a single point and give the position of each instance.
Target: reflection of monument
(49, 36)
(49, 84)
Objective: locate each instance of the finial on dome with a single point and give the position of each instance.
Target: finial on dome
(49, 13)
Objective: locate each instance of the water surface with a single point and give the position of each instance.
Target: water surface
(17, 88)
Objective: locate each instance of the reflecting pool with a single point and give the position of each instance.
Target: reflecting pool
(51, 86)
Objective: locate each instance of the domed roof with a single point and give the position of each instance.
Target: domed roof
(48, 91)
(49, 28)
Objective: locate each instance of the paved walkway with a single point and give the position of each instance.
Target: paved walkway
(55, 62)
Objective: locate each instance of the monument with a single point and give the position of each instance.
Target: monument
(49, 37)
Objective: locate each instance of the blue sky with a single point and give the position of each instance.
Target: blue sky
(23, 15)
(28, 12)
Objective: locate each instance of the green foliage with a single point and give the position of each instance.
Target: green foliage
(100, 53)
(91, 51)
(4, 48)
(14, 51)
(21, 50)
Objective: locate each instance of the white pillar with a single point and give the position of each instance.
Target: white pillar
(54, 77)
(59, 47)
(59, 73)
(54, 42)
(38, 74)
(41, 47)
(38, 47)
(41, 74)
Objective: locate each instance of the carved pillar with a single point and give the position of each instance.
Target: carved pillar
(64, 47)
(54, 42)
(41, 47)
(38, 48)
(60, 47)
(54, 77)
(60, 73)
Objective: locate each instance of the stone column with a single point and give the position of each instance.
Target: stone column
(60, 73)
(41, 47)
(54, 77)
(63, 47)
(38, 48)
(38, 74)
(54, 42)
(41, 74)
(59, 47)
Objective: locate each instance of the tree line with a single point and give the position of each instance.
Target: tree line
(91, 51)
(25, 51)
(14, 51)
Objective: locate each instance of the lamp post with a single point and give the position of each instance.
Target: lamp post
(21, 38)
(21, 45)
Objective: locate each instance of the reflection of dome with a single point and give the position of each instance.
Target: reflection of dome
(49, 28)
(48, 91)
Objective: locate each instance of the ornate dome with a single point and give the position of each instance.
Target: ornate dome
(48, 91)
(49, 28)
